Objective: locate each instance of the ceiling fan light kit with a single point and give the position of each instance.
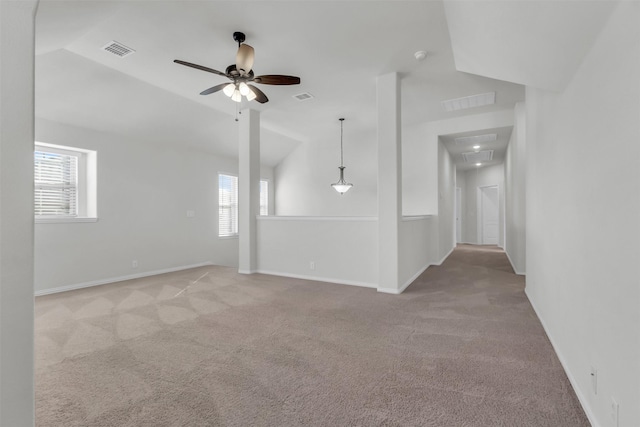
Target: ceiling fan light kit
(241, 74)
(341, 186)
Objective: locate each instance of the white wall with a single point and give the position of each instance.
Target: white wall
(446, 203)
(474, 179)
(305, 176)
(344, 250)
(583, 211)
(515, 193)
(418, 240)
(419, 171)
(16, 212)
(144, 191)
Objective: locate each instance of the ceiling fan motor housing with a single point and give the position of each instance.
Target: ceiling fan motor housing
(241, 74)
(239, 37)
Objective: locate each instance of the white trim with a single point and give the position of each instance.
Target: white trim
(247, 271)
(415, 217)
(406, 284)
(316, 218)
(65, 148)
(581, 398)
(118, 279)
(60, 220)
(513, 266)
(319, 279)
(445, 257)
(232, 236)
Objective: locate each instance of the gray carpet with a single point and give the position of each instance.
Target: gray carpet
(209, 347)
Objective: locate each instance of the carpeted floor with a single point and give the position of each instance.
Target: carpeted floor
(209, 347)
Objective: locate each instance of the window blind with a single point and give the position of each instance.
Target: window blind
(227, 205)
(56, 184)
(264, 197)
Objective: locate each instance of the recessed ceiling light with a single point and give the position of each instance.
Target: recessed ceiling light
(420, 55)
(476, 147)
(478, 164)
(472, 101)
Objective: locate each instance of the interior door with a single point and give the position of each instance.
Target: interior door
(489, 211)
(458, 215)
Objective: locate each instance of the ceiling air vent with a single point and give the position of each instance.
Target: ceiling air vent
(118, 49)
(303, 96)
(477, 157)
(476, 139)
(472, 101)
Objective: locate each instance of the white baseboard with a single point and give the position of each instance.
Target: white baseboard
(318, 279)
(406, 284)
(519, 273)
(445, 257)
(117, 279)
(581, 398)
(247, 271)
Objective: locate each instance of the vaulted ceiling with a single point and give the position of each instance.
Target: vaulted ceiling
(338, 48)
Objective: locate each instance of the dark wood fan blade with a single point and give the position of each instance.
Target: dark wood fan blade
(276, 79)
(214, 89)
(200, 67)
(260, 96)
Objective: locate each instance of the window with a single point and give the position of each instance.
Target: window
(227, 205)
(264, 197)
(64, 179)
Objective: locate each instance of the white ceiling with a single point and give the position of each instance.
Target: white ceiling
(336, 47)
(536, 43)
(499, 147)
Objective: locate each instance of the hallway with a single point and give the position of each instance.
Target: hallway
(495, 345)
(210, 347)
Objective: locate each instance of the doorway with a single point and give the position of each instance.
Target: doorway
(488, 215)
(458, 216)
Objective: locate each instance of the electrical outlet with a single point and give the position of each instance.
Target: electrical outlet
(312, 265)
(615, 408)
(594, 380)
(134, 263)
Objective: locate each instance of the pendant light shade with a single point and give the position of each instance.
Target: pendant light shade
(341, 186)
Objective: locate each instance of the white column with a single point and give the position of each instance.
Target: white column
(389, 182)
(17, 24)
(249, 190)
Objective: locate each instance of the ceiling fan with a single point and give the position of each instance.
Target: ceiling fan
(241, 74)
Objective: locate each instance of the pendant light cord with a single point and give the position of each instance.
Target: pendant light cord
(341, 134)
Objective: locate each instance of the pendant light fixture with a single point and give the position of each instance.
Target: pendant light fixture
(341, 186)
